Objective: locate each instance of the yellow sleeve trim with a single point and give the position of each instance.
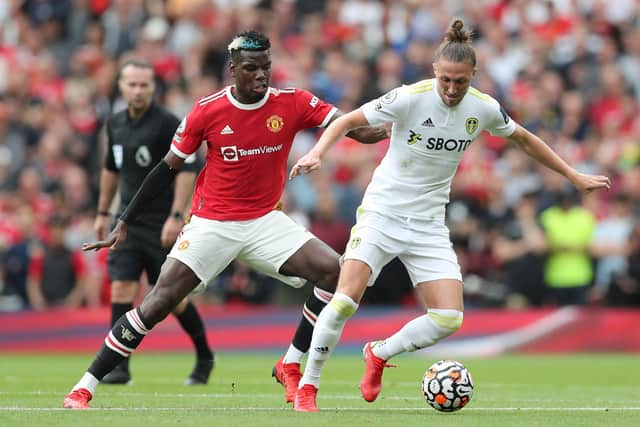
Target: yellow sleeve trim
(421, 86)
(421, 89)
(483, 96)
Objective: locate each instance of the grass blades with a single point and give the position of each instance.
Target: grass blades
(537, 390)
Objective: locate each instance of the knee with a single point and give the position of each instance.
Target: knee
(447, 321)
(326, 274)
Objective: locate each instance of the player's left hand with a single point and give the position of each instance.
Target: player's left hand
(170, 231)
(586, 183)
(307, 163)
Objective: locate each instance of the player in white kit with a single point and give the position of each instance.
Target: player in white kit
(403, 209)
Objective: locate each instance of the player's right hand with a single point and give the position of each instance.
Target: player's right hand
(307, 163)
(113, 241)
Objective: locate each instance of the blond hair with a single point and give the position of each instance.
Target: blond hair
(456, 46)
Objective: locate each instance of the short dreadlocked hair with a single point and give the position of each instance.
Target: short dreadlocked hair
(248, 40)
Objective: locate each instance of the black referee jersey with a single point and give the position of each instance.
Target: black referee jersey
(134, 148)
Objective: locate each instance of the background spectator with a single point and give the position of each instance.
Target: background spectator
(56, 274)
(568, 271)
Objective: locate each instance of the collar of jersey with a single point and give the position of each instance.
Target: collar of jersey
(242, 106)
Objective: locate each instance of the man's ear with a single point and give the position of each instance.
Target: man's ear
(232, 69)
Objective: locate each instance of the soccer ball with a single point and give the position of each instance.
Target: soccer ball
(447, 386)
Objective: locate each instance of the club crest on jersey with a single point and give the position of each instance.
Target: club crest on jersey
(275, 123)
(355, 242)
(471, 125)
(183, 245)
(413, 137)
(229, 153)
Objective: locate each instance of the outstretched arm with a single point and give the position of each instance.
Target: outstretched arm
(540, 151)
(365, 134)
(336, 130)
(154, 183)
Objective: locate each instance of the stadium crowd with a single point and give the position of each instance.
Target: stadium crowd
(565, 69)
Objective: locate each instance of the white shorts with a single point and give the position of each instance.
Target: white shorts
(423, 247)
(207, 246)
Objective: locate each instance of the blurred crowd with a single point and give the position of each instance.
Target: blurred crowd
(565, 69)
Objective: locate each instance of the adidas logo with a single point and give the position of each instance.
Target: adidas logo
(226, 130)
(323, 350)
(428, 123)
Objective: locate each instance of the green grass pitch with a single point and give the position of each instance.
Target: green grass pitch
(537, 390)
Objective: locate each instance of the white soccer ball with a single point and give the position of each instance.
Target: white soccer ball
(447, 385)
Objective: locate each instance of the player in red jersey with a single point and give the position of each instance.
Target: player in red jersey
(249, 128)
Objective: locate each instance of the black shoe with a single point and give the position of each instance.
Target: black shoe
(119, 375)
(201, 372)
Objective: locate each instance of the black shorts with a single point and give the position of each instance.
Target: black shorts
(141, 251)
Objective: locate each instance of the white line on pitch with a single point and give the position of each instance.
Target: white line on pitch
(256, 409)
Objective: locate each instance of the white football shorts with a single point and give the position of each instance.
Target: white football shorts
(209, 246)
(424, 247)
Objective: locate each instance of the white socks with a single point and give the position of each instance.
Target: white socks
(293, 355)
(420, 332)
(87, 381)
(326, 335)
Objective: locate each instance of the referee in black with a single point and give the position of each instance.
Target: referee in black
(138, 138)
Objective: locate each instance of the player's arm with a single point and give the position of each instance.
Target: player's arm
(537, 149)
(108, 187)
(172, 226)
(366, 134)
(160, 177)
(335, 132)
(109, 177)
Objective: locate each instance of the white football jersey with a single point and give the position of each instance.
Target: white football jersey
(428, 139)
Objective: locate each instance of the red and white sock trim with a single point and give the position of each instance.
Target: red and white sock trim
(322, 295)
(309, 315)
(115, 345)
(134, 319)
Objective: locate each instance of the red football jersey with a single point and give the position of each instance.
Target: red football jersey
(247, 149)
